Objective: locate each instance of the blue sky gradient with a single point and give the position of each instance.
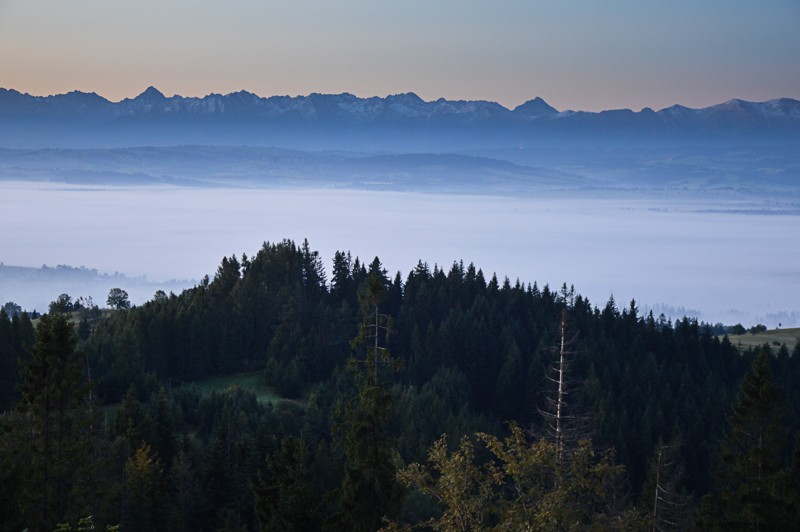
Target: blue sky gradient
(576, 55)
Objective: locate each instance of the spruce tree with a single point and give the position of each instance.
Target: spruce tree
(53, 430)
(286, 498)
(369, 492)
(145, 491)
(748, 492)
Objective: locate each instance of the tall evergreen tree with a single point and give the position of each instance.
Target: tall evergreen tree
(510, 387)
(54, 428)
(369, 491)
(286, 497)
(748, 492)
(145, 491)
(10, 474)
(16, 338)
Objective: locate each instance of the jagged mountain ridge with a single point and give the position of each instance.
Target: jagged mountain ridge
(243, 103)
(88, 119)
(152, 101)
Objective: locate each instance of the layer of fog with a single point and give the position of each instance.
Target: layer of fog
(681, 256)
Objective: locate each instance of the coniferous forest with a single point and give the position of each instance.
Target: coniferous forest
(439, 399)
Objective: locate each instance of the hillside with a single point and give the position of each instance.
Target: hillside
(775, 338)
(456, 354)
(737, 172)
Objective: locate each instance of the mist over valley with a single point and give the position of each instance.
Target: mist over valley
(701, 257)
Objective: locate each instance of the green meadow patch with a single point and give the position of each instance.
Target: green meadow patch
(774, 337)
(250, 381)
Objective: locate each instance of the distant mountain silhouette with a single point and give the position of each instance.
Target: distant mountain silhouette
(535, 108)
(337, 121)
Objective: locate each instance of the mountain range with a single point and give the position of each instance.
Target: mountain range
(344, 121)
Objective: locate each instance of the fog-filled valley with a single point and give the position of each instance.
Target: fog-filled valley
(726, 259)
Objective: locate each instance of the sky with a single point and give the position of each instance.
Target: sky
(576, 54)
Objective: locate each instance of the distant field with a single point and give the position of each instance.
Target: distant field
(782, 336)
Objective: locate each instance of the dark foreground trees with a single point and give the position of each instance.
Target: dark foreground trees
(754, 488)
(176, 455)
(524, 485)
(369, 491)
(51, 431)
(286, 495)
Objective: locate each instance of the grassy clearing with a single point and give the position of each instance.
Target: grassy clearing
(251, 381)
(774, 337)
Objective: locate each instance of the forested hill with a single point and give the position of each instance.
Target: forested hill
(472, 353)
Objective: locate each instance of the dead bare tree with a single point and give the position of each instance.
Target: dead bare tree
(564, 425)
(671, 510)
(569, 428)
